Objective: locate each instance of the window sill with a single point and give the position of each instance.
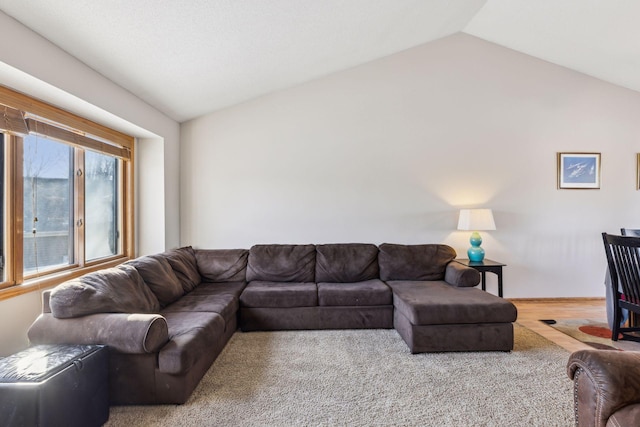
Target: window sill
(41, 283)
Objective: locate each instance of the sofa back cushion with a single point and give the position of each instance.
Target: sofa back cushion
(114, 290)
(346, 263)
(159, 277)
(183, 263)
(282, 263)
(222, 265)
(414, 262)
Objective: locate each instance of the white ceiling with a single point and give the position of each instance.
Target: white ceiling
(188, 58)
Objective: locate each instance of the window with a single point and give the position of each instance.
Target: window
(47, 206)
(102, 214)
(67, 195)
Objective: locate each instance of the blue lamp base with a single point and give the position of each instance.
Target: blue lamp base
(475, 252)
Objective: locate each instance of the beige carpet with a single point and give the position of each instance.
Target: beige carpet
(369, 378)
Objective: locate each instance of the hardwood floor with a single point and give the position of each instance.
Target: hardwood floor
(530, 311)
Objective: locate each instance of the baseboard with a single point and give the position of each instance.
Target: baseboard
(559, 300)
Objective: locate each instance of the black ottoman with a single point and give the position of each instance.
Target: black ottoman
(55, 385)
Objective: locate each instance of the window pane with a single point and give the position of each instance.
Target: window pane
(48, 204)
(101, 205)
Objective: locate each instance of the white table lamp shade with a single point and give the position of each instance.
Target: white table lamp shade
(476, 220)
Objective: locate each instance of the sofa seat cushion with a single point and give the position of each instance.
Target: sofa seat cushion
(217, 288)
(225, 305)
(414, 262)
(346, 262)
(282, 263)
(438, 303)
(222, 265)
(279, 294)
(366, 293)
(191, 334)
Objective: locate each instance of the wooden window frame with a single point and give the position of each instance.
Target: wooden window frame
(77, 131)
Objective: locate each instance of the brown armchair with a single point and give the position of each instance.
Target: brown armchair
(606, 387)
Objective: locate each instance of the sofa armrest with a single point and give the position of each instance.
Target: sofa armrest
(604, 382)
(461, 276)
(124, 332)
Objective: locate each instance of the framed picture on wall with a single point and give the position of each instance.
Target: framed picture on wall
(579, 170)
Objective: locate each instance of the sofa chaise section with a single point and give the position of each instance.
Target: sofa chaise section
(434, 316)
(436, 305)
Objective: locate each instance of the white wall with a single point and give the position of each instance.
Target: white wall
(389, 151)
(32, 65)
(150, 194)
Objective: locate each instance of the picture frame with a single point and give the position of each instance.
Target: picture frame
(579, 170)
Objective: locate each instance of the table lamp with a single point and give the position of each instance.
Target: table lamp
(476, 220)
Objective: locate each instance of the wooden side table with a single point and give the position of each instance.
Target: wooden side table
(483, 267)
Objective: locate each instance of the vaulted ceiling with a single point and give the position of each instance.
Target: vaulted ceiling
(188, 58)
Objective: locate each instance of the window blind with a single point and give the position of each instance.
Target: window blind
(13, 121)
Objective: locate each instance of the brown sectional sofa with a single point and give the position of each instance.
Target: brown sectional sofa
(166, 317)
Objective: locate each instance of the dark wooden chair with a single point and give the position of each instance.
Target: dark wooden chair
(623, 257)
(634, 318)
